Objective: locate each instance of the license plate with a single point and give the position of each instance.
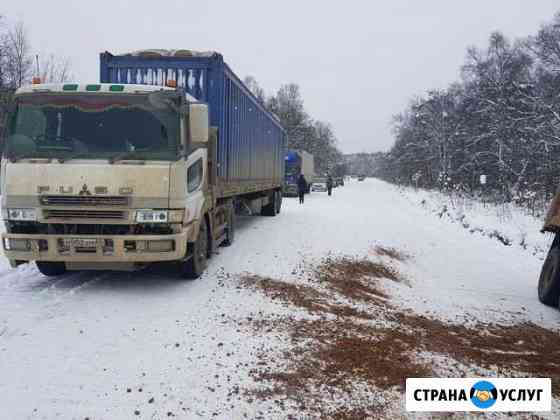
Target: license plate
(81, 242)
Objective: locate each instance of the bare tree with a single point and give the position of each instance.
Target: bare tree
(2, 53)
(546, 44)
(18, 58)
(255, 88)
(303, 132)
(502, 120)
(5, 92)
(54, 69)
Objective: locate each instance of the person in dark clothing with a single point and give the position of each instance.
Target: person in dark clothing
(329, 184)
(301, 187)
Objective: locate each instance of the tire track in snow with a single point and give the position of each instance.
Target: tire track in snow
(52, 295)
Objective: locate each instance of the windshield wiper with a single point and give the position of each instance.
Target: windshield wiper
(74, 156)
(41, 147)
(43, 141)
(15, 158)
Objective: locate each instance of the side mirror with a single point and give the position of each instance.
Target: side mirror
(198, 123)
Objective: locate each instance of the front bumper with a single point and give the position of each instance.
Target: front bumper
(48, 248)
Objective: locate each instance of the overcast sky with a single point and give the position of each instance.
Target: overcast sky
(357, 62)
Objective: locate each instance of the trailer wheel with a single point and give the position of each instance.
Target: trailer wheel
(278, 202)
(230, 229)
(549, 280)
(270, 208)
(51, 269)
(195, 266)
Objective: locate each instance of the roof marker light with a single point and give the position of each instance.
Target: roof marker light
(93, 88)
(116, 88)
(70, 87)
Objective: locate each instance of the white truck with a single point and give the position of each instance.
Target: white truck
(119, 175)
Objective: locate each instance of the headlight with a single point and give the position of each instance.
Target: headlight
(22, 214)
(151, 216)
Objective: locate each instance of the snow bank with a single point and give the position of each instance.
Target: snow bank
(507, 223)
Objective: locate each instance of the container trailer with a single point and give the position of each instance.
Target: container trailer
(148, 165)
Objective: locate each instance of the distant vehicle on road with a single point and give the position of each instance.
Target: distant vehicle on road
(361, 177)
(319, 184)
(298, 162)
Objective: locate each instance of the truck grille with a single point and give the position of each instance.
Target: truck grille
(84, 214)
(83, 200)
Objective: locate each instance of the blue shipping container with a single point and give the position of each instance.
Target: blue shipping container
(251, 141)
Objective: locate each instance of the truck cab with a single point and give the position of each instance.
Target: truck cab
(103, 176)
(298, 162)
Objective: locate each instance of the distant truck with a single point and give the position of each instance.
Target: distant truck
(298, 162)
(147, 166)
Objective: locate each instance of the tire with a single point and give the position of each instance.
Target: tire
(230, 229)
(270, 208)
(51, 269)
(197, 263)
(279, 202)
(549, 280)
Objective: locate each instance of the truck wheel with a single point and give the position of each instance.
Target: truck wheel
(270, 208)
(278, 202)
(51, 269)
(230, 229)
(549, 280)
(195, 266)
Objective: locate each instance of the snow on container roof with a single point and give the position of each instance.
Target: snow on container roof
(83, 88)
(158, 53)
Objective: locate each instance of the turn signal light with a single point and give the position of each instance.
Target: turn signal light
(36, 81)
(171, 83)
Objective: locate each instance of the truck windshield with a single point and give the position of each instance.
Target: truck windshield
(292, 171)
(113, 127)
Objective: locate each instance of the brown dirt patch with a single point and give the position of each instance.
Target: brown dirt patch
(360, 268)
(384, 360)
(356, 279)
(526, 348)
(305, 297)
(302, 296)
(374, 343)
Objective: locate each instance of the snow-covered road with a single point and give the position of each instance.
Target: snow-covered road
(150, 345)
